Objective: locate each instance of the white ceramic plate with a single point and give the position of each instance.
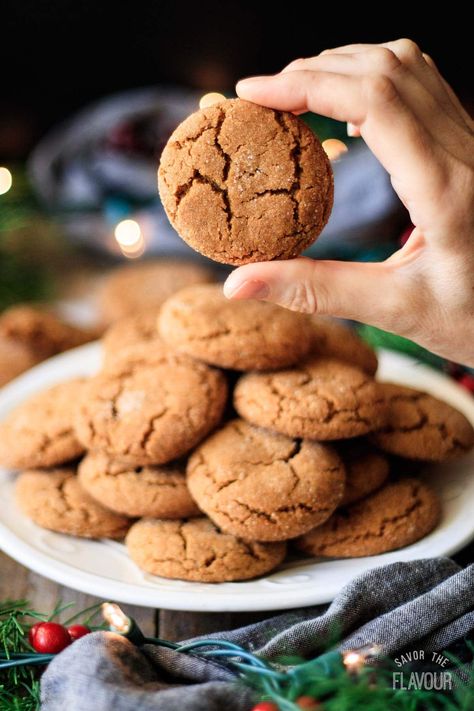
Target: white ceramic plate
(103, 568)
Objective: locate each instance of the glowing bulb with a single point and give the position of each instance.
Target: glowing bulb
(116, 618)
(334, 148)
(128, 233)
(353, 660)
(210, 99)
(6, 180)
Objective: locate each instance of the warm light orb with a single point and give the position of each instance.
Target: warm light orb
(6, 180)
(334, 148)
(353, 661)
(128, 233)
(210, 99)
(115, 617)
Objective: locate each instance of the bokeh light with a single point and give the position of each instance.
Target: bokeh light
(334, 148)
(210, 99)
(6, 180)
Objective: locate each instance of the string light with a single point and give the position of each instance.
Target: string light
(6, 180)
(355, 659)
(129, 237)
(116, 618)
(334, 148)
(210, 99)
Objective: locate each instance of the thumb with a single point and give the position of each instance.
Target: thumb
(368, 292)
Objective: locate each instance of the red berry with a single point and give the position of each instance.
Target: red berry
(467, 381)
(32, 632)
(50, 638)
(308, 702)
(77, 631)
(265, 706)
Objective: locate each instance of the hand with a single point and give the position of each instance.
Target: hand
(394, 96)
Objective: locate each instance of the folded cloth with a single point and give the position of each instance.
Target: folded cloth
(425, 604)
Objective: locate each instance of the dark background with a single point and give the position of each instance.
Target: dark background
(58, 55)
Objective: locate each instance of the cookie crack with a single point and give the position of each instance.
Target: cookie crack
(385, 521)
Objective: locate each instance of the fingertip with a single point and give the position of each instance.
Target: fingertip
(238, 288)
(246, 87)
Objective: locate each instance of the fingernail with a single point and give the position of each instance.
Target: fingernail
(243, 83)
(353, 130)
(246, 290)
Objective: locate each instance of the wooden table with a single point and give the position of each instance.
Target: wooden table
(17, 582)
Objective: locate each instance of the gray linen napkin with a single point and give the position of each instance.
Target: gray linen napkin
(424, 604)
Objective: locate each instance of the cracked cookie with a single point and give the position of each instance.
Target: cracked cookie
(15, 358)
(197, 550)
(40, 332)
(421, 427)
(54, 499)
(130, 331)
(242, 335)
(151, 407)
(321, 398)
(243, 183)
(135, 287)
(332, 339)
(393, 517)
(39, 432)
(263, 486)
(160, 492)
(366, 469)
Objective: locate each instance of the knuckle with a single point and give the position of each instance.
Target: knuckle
(407, 51)
(379, 89)
(296, 64)
(301, 297)
(382, 60)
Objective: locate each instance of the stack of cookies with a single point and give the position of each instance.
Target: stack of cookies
(220, 434)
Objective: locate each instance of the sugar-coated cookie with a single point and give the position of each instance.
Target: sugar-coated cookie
(243, 335)
(135, 287)
(243, 183)
(420, 426)
(321, 398)
(395, 516)
(39, 432)
(141, 327)
(150, 408)
(196, 550)
(160, 492)
(264, 486)
(54, 499)
(366, 469)
(333, 339)
(40, 331)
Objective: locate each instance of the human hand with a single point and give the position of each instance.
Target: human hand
(393, 95)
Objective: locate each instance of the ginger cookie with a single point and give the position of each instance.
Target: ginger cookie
(242, 335)
(366, 469)
(130, 331)
(41, 332)
(321, 398)
(54, 499)
(196, 550)
(15, 358)
(243, 183)
(39, 432)
(160, 492)
(263, 486)
(151, 407)
(393, 517)
(332, 339)
(136, 287)
(420, 426)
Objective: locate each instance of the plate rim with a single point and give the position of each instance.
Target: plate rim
(133, 593)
